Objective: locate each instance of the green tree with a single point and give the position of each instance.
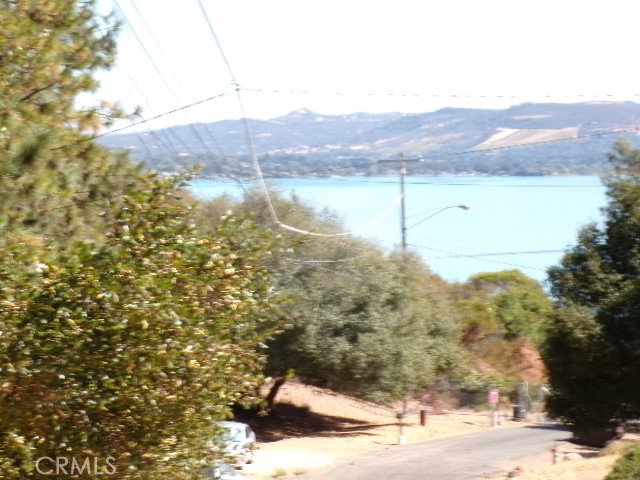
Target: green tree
(53, 179)
(131, 348)
(519, 303)
(594, 342)
(504, 315)
(360, 322)
(359, 329)
(124, 330)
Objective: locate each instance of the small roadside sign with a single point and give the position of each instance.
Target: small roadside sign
(494, 396)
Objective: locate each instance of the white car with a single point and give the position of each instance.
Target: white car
(223, 471)
(239, 441)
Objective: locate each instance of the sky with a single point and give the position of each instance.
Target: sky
(346, 56)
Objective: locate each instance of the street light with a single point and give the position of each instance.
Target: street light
(403, 228)
(462, 206)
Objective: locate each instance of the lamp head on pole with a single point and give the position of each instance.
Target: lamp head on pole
(462, 206)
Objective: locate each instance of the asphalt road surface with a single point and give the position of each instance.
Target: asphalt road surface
(464, 457)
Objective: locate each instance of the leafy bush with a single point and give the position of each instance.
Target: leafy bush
(628, 467)
(131, 348)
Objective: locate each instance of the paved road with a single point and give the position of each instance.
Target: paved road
(464, 457)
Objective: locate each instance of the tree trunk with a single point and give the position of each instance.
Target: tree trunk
(273, 392)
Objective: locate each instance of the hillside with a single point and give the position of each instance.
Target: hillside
(550, 139)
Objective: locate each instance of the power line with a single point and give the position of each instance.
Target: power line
(581, 96)
(164, 114)
(254, 155)
(431, 156)
(167, 146)
(245, 123)
(218, 44)
(449, 184)
(168, 63)
(363, 228)
(500, 254)
(190, 126)
(142, 122)
(341, 260)
(471, 253)
(481, 258)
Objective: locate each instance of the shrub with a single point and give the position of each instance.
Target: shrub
(627, 467)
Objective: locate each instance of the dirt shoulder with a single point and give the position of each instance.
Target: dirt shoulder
(313, 428)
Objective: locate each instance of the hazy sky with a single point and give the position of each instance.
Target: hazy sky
(374, 55)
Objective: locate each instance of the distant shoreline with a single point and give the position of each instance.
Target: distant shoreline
(329, 177)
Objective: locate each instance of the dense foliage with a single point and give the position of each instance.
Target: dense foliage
(377, 327)
(508, 303)
(52, 178)
(132, 348)
(125, 332)
(594, 341)
(627, 467)
(359, 321)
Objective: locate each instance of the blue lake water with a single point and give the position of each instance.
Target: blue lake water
(524, 223)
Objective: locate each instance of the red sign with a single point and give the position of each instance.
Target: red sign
(494, 396)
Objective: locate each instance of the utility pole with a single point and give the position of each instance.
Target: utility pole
(403, 230)
(403, 212)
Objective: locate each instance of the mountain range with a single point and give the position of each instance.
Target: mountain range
(528, 139)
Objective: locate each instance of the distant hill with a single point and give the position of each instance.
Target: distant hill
(528, 139)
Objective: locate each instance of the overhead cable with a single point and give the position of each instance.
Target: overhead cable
(190, 125)
(500, 254)
(160, 115)
(369, 225)
(254, 155)
(480, 258)
(340, 260)
(434, 95)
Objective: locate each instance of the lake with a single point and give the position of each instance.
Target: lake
(523, 223)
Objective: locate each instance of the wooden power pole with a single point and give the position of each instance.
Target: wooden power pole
(403, 212)
(403, 230)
